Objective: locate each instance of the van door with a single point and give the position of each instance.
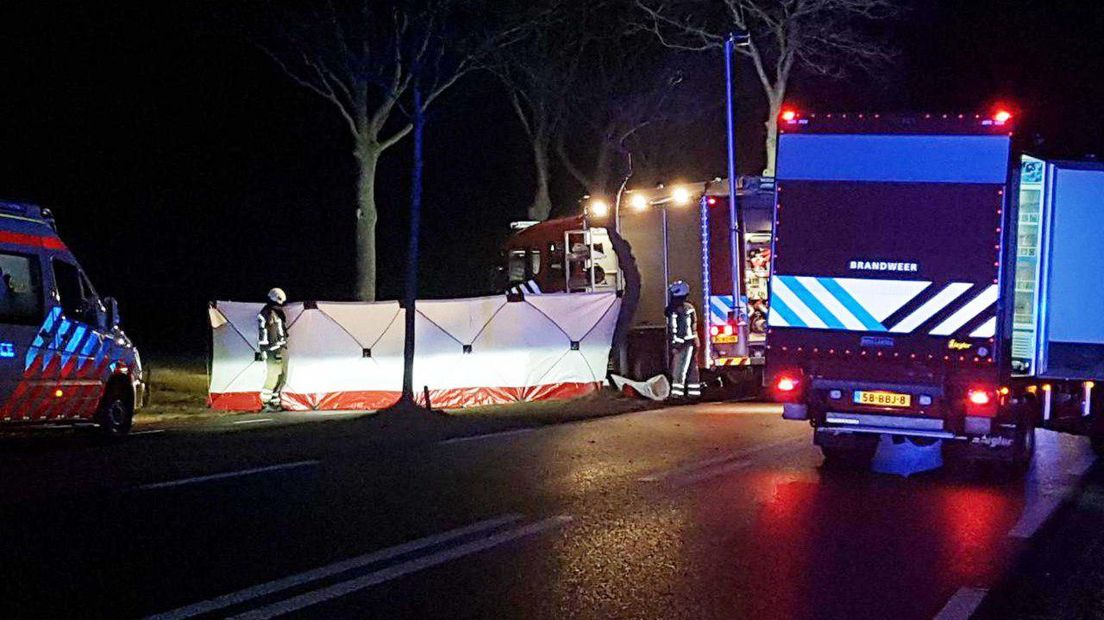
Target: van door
(23, 329)
(78, 345)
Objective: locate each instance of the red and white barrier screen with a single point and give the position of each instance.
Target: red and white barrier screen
(468, 352)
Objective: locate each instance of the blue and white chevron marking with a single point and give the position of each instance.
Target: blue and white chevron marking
(720, 307)
(855, 304)
(851, 304)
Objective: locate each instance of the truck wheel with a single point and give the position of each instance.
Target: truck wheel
(1023, 448)
(116, 414)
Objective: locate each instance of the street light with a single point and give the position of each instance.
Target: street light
(639, 202)
(735, 213)
(598, 207)
(681, 196)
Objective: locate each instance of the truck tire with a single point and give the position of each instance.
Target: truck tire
(1023, 447)
(115, 414)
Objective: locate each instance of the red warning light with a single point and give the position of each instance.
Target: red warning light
(1001, 117)
(788, 115)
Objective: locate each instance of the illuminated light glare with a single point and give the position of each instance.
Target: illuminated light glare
(786, 384)
(1002, 117)
(681, 195)
(712, 201)
(978, 397)
(59, 393)
(599, 208)
(788, 115)
(1004, 391)
(1090, 384)
(639, 202)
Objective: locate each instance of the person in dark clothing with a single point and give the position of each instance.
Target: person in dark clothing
(272, 344)
(682, 340)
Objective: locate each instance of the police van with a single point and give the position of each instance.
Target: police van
(63, 358)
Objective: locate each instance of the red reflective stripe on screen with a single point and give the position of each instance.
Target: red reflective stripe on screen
(368, 400)
(36, 241)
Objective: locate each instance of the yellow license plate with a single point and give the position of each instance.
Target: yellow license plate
(883, 399)
(726, 339)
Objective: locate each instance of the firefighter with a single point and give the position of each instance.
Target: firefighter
(272, 343)
(682, 339)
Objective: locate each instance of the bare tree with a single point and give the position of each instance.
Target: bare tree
(360, 55)
(626, 88)
(822, 37)
(539, 72)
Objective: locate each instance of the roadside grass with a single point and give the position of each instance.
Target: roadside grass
(177, 390)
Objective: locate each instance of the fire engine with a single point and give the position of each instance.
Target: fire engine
(654, 237)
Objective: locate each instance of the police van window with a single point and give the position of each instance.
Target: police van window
(67, 278)
(20, 289)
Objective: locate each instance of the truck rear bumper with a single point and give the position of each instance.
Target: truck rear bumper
(871, 424)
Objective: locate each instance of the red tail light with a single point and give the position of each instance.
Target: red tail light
(981, 401)
(788, 115)
(979, 397)
(786, 384)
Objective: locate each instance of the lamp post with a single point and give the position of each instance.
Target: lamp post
(735, 213)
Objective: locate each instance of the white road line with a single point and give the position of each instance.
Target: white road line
(322, 572)
(963, 604)
(518, 431)
(1036, 513)
(150, 432)
(398, 570)
(699, 476)
(257, 421)
(724, 458)
(225, 475)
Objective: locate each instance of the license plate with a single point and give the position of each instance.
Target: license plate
(726, 339)
(883, 399)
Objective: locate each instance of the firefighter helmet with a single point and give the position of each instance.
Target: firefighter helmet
(277, 296)
(679, 289)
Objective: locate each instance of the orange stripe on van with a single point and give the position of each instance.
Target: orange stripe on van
(37, 241)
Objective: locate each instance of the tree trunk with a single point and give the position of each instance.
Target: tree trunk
(542, 201)
(775, 105)
(600, 184)
(366, 216)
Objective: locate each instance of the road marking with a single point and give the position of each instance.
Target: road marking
(690, 468)
(322, 572)
(963, 604)
(149, 432)
(398, 570)
(713, 472)
(1036, 513)
(518, 431)
(225, 475)
(257, 421)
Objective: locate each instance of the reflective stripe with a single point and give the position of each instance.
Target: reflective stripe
(987, 329)
(941, 300)
(975, 307)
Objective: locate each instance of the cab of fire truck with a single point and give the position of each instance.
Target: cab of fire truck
(64, 360)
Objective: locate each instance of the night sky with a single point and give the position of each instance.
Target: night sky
(182, 166)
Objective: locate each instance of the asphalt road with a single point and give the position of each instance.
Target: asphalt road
(712, 511)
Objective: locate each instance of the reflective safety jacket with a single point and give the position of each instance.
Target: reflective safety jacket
(272, 328)
(682, 324)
